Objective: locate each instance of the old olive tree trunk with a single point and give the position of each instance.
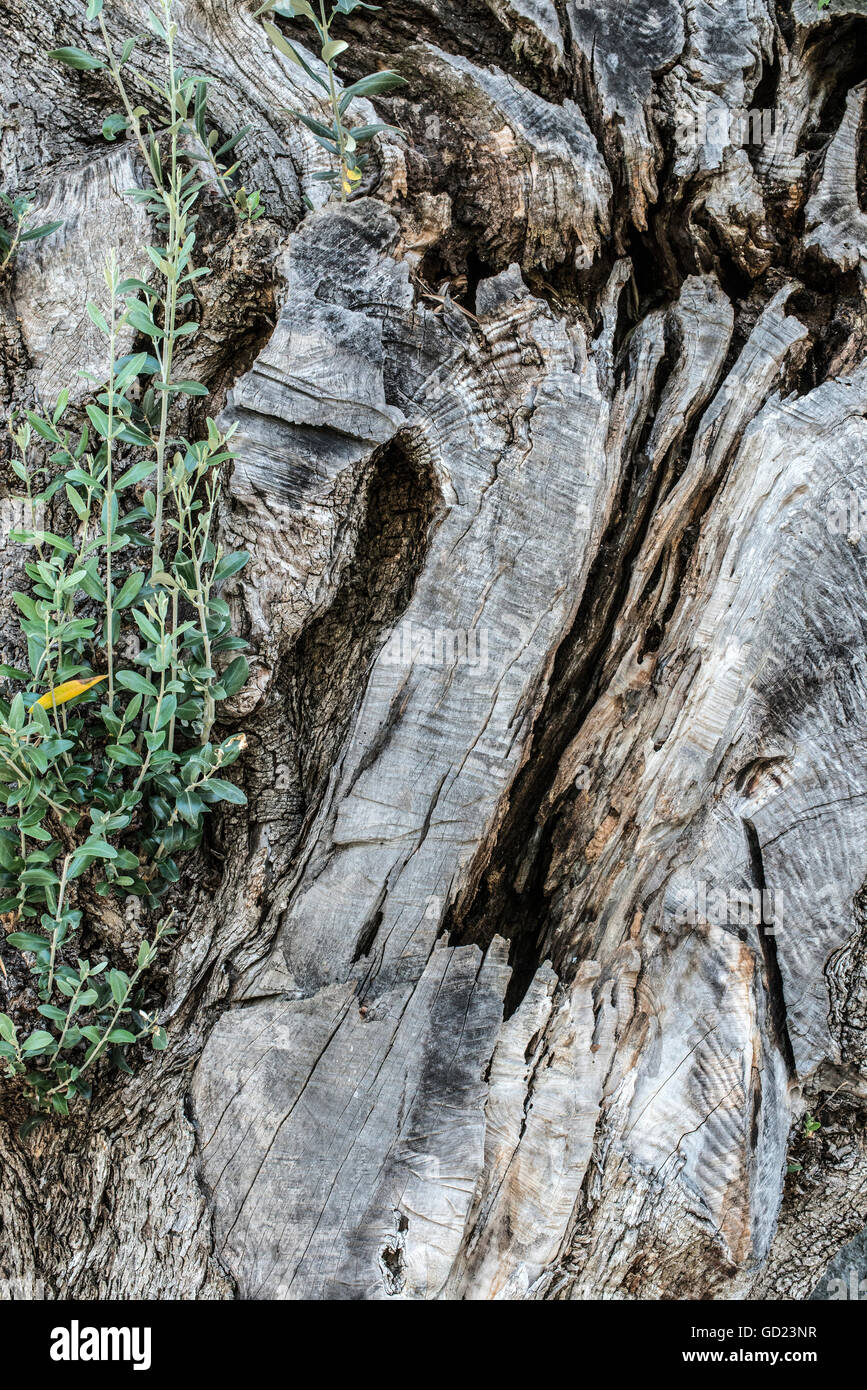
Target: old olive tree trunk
(546, 923)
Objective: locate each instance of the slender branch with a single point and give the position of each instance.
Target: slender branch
(61, 893)
(109, 487)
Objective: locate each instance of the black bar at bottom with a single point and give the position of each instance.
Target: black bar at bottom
(171, 1340)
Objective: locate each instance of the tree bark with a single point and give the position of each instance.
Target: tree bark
(556, 647)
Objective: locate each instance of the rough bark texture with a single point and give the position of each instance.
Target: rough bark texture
(538, 440)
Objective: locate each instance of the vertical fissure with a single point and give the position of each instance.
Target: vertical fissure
(767, 940)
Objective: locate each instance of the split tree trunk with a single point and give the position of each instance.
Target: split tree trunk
(553, 637)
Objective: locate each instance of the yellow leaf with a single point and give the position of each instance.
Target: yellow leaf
(67, 690)
(353, 175)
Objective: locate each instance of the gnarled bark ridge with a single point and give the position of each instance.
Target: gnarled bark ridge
(545, 923)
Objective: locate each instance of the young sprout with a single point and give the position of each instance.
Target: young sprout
(341, 140)
(18, 212)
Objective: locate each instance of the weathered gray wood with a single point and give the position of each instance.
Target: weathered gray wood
(557, 642)
(835, 224)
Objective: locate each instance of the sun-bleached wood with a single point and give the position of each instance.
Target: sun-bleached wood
(557, 642)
